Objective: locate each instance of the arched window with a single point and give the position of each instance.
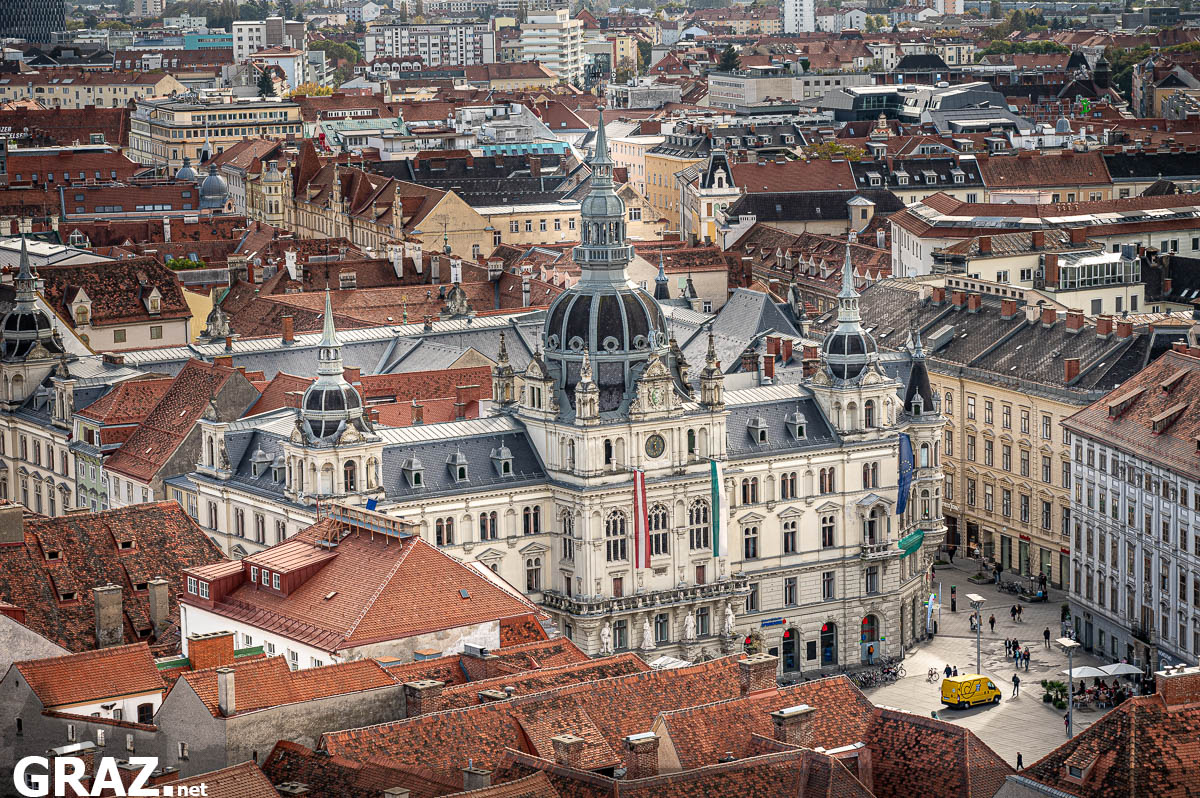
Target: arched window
(488, 526)
(869, 413)
(659, 521)
(873, 527)
(926, 505)
(533, 574)
(828, 483)
(570, 455)
(699, 526)
(750, 490)
(209, 460)
(948, 403)
(615, 538)
(787, 485)
(691, 441)
(608, 452)
(443, 530)
(351, 474)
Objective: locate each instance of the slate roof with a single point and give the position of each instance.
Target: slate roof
(745, 316)
(483, 181)
(1133, 428)
(92, 676)
(165, 541)
(1141, 165)
(810, 206)
(269, 682)
(741, 443)
(375, 584)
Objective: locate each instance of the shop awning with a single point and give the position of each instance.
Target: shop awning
(911, 543)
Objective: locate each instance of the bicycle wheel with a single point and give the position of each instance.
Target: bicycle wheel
(900, 672)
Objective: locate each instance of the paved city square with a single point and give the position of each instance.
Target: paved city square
(1022, 723)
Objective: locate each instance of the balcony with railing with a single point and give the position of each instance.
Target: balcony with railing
(725, 589)
(1143, 633)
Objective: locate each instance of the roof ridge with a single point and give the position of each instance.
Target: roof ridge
(383, 585)
(82, 655)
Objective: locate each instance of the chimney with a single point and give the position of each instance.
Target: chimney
(1070, 369)
(226, 692)
(939, 295)
(880, 238)
(641, 755)
(228, 343)
(756, 672)
(210, 650)
(768, 369)
(110, 615)
(16, 613)
(488, 696)
(1166, 285)
(462, 395)
(772, 344)
(1078, 235)
(526, 277)
(787, 350)
(160, 604)
(12, 524)
(1179, 685)
(1074, 320)
(958, 298)
(1050, 264)
(289, 330)
(435, 269)
(1124, 329)
(1039, 239)
(974, 302)
(1104, 325)
(476, 778)
(568, 750)
(352, 374)
(418, 414)
(223, 360)
(750, 362)
(985, 245)
(1008, 308)
(793, 725)
(395, 255)
(422, 697)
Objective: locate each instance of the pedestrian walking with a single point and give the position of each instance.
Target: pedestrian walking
(1020, 610)
(1026, 658)
(1012, 613)
(948, 671)
(992, 622)
(955, 670)
(1016, 644)
(1020, 762)
(1007, 647)
(1067, 723)
(1046, 635)
(1016, 680)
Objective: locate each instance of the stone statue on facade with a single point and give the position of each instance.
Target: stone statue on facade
(729, 620)
(647, 636)
(689, 627)
(606, 646)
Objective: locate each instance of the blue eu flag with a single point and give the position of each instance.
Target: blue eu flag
(372, 503)
(906, 472)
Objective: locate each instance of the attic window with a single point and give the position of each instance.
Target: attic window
(68, 595)
(139, 585)
(414, 472)
(125, 544)
(348, 280)
(796, 424)
(53, 554)
(758, 429)
(464, 594)
(458, 466)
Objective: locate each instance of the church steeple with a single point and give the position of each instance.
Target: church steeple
(329, 357)
(848, 348)
(602, 255)
(331, 405)
(712, 381)
(661, 290)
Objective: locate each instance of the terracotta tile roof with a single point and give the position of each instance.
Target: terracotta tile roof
(460, 668)
(1133, 415)
(244, 780)
(269, 682)
(92, 676)
(815, 175)
(519, 70)
(374, 581)
(165, 540)
(172, 419)
(536, 785)
(63, 126)
(601, 712)
(118, 290)
(65, 167)
(947, 760)
(275, 392)
(128, 402)
(327, 776)
(536, 681)
(1143, 747)
(244, 153)
(1067, 168)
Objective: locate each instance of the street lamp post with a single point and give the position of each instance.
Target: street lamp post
(1069, 646)
(976, 605)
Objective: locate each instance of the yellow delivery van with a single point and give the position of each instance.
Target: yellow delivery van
(969, 690)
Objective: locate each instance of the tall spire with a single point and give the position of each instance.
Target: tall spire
(603, 254)
(26, 296)
(848, 297)
(330, 357)
(661, 290)
(602, 157)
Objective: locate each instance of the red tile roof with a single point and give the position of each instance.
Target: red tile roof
(165, 541)
(1067, 168)
(118, 290)
(244, 780)
(280, 391)
(345, 778)
(64, 126)
(92, 676)
(128, 402)
(814, 175)
(536, 681)
(269, 682)
(66, 167)
(375, 584)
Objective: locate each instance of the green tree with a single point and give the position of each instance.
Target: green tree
(266, 86)
(287, 9)
(645, 53)
(729, 60)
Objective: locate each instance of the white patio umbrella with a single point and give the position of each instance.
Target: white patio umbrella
(1121, 669)
(1084, 672)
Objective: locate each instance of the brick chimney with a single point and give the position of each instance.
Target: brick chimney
(1008, 308)
(226, 692)
(289, 330)
(1078, 235)
(210, 650)
(939, 295)
(228, 343)
(985, 245)
(568, 750)
(418, 414)
(958, 298)
(756, 672)
(772, 344)
(1049, 316)
(974, 302)
(476, 778)
(225, 361)
(1124, 329)
(160, 604)
(750, 362)
(768, 368)
(1039, 239)
(794, 725)
(1050, 264)
(1074, 320)
(422, 697)
(1070, 369)
(1178, 685)
(1104, 326)
(787, 350)
(641, 755)
(110, 616)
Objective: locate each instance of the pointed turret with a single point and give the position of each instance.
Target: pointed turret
(27, 326)
(661, 290)
(918, 396)
(504, 390)
(331, 404)
(712, 381)
(848, 348)
(26, 294)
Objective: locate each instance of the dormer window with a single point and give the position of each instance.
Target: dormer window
(82, 316)
(414, 472)
(67, 595)
(796, 425)
(458, 466)
(125, 545)
(53, 554)
(258, 463)
(758, 429)
(348, 280)
(502, 459)
(277, 469)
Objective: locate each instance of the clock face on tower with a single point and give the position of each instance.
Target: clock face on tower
(655, 446)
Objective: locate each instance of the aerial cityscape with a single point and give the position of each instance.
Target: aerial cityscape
(548, 399)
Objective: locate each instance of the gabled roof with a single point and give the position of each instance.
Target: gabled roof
(326, 775)
(128, 402)
(92, 676)
(118, 289)
(243, 780)
(1067, 168)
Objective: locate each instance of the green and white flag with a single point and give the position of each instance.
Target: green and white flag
(720, 511)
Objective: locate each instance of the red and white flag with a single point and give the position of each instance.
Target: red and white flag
(641, 524)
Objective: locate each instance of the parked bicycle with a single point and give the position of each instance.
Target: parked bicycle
(933, 675)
